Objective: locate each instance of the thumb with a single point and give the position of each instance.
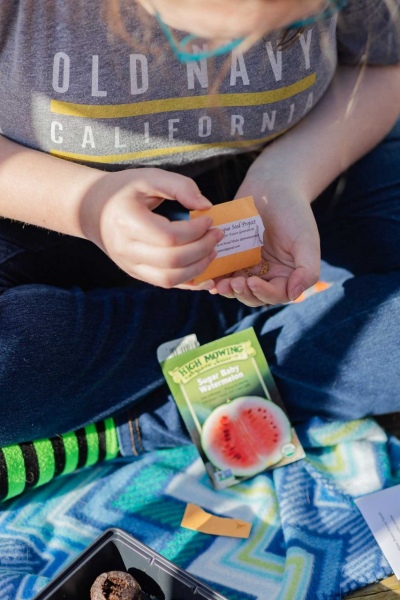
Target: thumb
(173, 186)
(306, 273)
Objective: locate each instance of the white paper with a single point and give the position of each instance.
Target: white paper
(240, 235)
(176, 347)
(381, 510)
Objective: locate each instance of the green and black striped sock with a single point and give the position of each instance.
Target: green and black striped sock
(31, 464)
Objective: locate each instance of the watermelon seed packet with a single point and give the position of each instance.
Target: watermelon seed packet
(231, 406)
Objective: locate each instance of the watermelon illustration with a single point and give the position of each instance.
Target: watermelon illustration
(246, 435)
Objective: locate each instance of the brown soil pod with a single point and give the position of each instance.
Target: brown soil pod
(115, 585)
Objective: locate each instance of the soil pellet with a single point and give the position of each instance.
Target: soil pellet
(115, 585)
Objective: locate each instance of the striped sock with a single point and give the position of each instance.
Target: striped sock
(31, 464)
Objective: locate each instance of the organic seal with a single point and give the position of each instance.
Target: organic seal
(115, 585)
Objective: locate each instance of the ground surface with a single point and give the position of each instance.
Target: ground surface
(387, 589)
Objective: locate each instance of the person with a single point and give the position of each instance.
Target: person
(116, 118)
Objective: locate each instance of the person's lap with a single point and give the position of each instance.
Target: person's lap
(78, 338)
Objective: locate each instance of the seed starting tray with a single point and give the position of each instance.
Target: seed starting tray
(116, 550)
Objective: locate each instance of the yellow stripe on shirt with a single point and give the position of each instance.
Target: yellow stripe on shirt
(152, 153)
(148, 107)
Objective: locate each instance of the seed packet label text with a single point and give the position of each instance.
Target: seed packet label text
(243, 237)
(240, 235)
(231, 406)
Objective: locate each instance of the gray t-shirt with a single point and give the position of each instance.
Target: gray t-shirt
(72, 87)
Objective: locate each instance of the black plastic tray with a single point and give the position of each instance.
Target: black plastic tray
(116, 550)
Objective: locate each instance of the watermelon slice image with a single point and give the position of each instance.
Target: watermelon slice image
(246, 435)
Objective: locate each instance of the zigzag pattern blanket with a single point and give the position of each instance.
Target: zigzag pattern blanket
(308, 540)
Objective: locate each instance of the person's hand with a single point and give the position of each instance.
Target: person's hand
(291, 246)
(117, 216)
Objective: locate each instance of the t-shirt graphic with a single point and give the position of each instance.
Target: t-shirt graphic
(72, 88)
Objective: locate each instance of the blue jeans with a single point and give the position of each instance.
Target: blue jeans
(78, 337)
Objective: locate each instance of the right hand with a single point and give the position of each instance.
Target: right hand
(117, 216)
(291, 244)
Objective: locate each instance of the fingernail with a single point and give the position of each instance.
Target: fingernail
(203, 201)
(206, 285)
(294, 294)
(219, 234)
(252, 283)
(237, 288)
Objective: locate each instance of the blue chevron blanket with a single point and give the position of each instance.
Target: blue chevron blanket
(308, 540)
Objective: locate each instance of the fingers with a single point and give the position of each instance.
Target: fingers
(223, 287)
(308, 263)
(208, 285)
(174, 256)
(300, 280)
(284, 288)
(147, 245)
(307, 255)
(243, 293)
(167, 266)
(279, 289)
(150, 227)
(254, 291)
(173, 186)
(168, 278)
(284, 283)
(269, 292)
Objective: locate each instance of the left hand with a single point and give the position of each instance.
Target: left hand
(291, 246)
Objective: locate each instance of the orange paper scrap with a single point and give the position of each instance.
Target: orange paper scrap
(241, 246)
(199, 520)
(320, 286)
